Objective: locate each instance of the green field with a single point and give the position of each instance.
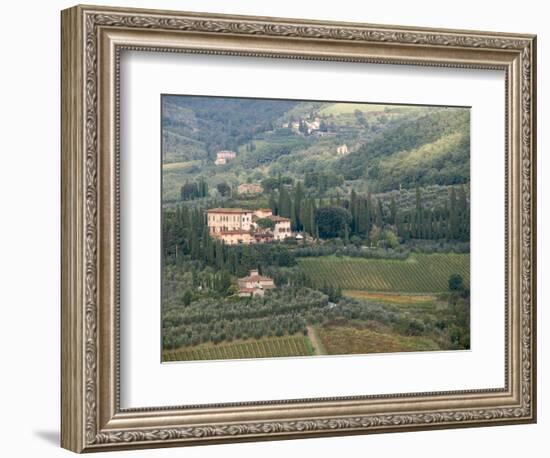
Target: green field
(269, 347)
(349, 108)
(338, 109)
(178, 166)
(392, 298)
(419, 273)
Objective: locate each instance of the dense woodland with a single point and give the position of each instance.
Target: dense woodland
(215, 123)
(428, 150)
(402, 188)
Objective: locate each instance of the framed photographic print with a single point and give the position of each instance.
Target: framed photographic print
(278, 228)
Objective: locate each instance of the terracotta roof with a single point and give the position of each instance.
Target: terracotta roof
(278, 218)
(235, 232)
(247, 290)
(263, 235)
(255, 278)
(228, 210)
(248, 185)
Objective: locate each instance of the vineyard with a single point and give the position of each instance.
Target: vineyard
(419, 273)
(345, 340)
(272, 347)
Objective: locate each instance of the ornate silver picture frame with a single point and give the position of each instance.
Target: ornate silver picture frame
(93, 39)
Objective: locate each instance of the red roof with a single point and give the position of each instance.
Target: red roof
(248, 185)
(255, 278)
(236, 232)
(247, 290)
(228, 210)
(278, 219)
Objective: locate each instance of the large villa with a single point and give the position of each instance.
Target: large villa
(238, 226)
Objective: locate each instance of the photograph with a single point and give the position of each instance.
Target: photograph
(271, 219)
(294, 228)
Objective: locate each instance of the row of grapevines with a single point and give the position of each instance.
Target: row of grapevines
(264, 348)
(419, 273)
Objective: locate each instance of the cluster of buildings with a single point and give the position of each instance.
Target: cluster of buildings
(311, 126)
(254, 284)
(240, 226)
(224, 156)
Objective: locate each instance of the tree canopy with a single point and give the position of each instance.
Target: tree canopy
(332, 221)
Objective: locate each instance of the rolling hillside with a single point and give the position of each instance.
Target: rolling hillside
(195, 127)
(390, 147)
(436, 143)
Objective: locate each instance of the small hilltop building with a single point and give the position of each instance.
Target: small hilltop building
(342, 150)
(282, 228)
(254, 284)
(224, 156)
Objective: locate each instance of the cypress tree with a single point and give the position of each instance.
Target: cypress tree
(194, 245)
(393, 212)
(273, 204)
(446, 219)
(298, 198)
(464, 215)
(410, 225)
(438, 226)
(218, 255)
(362, 218)
(204, 240)
(453, 215)
(284, 205)
(305, 216)
(379, 214)
(429, 222)
(210, 250)
(353, 210)
(418, 217)
(369, 213)
(314, 230)
(293, 218)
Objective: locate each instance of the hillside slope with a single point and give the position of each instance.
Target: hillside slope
(389, 146)
(194, 127)
(431, 149)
